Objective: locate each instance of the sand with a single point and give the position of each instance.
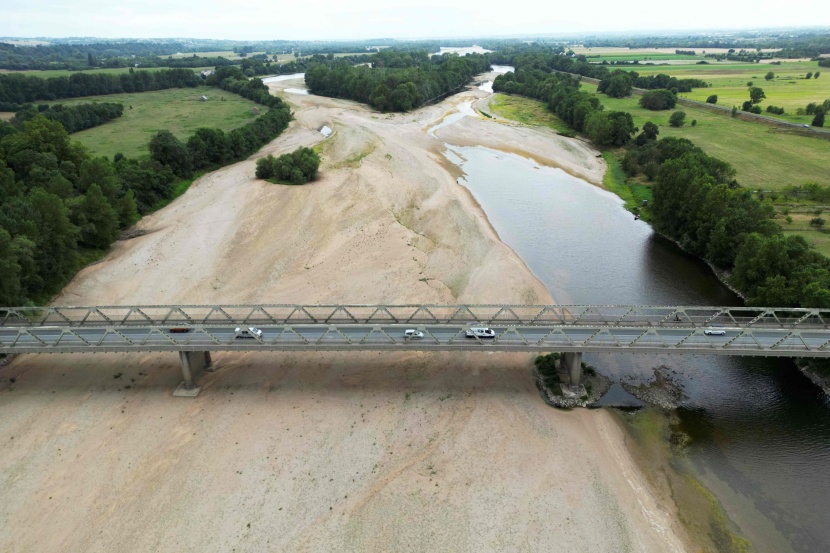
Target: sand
(320, 452)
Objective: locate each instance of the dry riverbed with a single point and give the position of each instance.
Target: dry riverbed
(320, 452)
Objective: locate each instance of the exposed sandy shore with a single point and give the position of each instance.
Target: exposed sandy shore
(319, 452)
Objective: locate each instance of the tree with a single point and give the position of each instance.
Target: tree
(756, 95)
(818, 120)
(658, 100)
(168, 150)
(809, 75)
(96, 219)
(619, 86)
(10, 289)
(677, 119)
(713, 99)
(769, 76)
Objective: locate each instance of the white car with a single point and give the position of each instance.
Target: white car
(412, 334)
(247, 333)
(481, 332)
(714, 332)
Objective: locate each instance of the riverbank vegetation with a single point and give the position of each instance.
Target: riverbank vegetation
(396, 81)
(697, 200)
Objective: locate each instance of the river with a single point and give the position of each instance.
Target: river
(760, 430)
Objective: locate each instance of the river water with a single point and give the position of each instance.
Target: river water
(760, 430)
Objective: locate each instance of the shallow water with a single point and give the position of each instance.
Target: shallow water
(761, 431)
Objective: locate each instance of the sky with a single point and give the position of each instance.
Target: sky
(363, 19)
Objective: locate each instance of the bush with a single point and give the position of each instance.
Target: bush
(713, 99)
(817, 222)
(298, 167)
(677, 119)
(694, 122)
(658, 100)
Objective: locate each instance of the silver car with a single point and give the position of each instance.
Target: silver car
(714, 332)
(247, 333)
(412, 334)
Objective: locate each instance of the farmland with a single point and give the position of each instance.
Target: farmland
(789, 88)
(764, 157)
(177, 110)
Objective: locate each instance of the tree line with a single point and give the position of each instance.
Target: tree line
(60, 207)
(397, 81)
(579, 109)
(73, 118)
(17, 89)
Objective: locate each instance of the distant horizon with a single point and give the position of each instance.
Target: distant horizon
(688, 32)
(330, 21)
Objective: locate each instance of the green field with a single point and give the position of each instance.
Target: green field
(764, 157)
(789, 89)
(527, 111)
(47, 73)
(178, 110)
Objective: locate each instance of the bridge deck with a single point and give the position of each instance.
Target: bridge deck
(539, 328)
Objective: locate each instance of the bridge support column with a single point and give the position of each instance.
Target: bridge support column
(193, 362)
(572, 362)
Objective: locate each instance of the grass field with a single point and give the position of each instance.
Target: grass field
(45, 74)
(789, 89)
(177, 110)
(527, 111)
(764, 157)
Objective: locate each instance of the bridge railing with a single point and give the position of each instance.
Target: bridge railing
(485, 314)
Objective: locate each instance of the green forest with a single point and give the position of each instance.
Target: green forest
(396, 81)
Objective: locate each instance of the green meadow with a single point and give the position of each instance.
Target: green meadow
(764, 157)
(178, 110)
(789, 89)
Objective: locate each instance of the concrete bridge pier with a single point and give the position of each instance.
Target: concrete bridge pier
(193, 363)
(572, 363)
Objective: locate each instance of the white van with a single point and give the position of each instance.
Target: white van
(481, 332)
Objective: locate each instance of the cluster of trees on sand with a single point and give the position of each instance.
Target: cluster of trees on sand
(298, 167)
(397, 81)
(17, 89)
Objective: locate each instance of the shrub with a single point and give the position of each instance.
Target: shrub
(713, 99)
(677, 119)
(298, 167)
(817, 222)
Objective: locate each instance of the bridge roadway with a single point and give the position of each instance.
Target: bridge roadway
(518, 328)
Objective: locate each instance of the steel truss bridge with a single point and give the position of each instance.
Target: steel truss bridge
(585, 328)
(576, 329)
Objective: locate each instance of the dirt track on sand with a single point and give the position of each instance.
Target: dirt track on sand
(319, 452)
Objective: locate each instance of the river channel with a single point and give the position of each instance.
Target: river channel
(760, 430)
